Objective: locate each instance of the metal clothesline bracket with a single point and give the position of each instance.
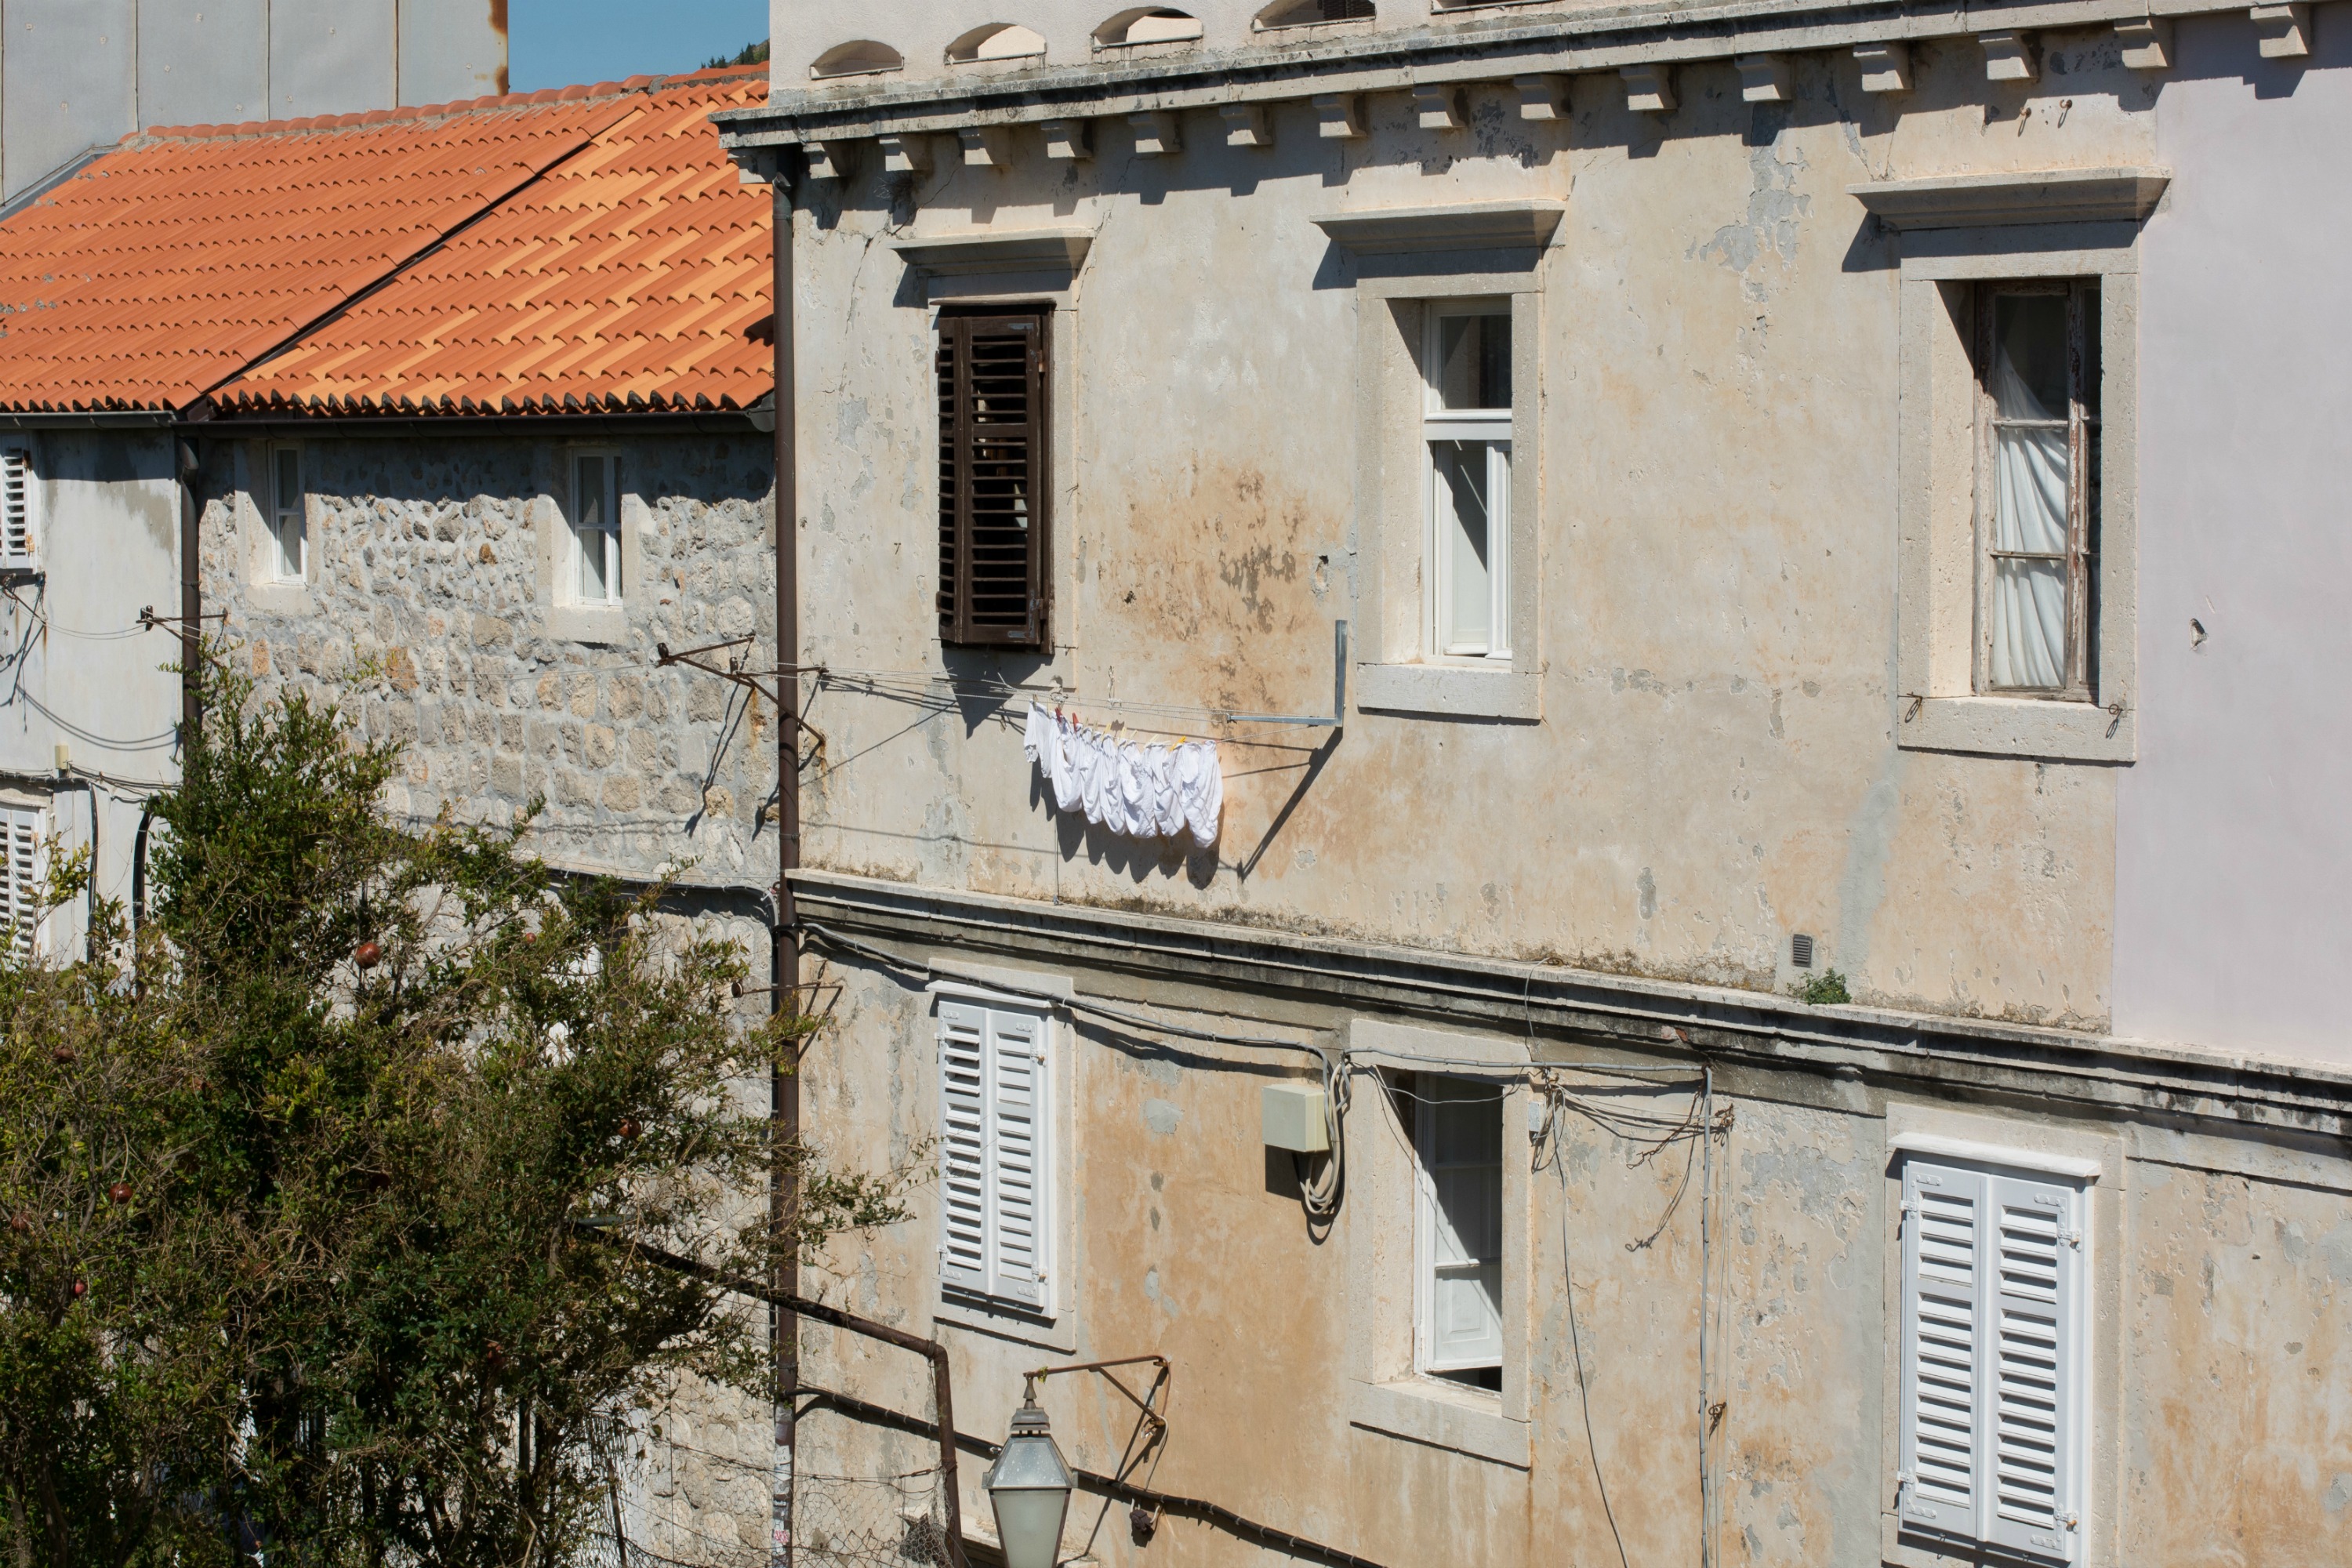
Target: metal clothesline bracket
(663, 658)
(1338, 693)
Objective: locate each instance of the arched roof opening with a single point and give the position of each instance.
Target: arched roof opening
(1147, 25)
(860, 57)
(997, 41)
(1307, 12)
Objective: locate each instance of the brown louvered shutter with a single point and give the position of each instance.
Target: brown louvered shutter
(993, 489)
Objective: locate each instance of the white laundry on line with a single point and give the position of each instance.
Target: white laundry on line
(1151, 791)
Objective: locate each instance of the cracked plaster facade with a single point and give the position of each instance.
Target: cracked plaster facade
(1717, 765)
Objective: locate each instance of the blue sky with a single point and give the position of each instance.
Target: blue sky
(555, 43)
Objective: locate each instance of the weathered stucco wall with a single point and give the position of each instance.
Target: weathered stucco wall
(2219, 1268)
(2234, 857)
(1716, 767)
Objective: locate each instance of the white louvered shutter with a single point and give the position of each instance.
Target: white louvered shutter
(1943, 1372)
(22, 875)
(1017, 1165)
(16, 533)
(964, 1146)
(2034, 1257)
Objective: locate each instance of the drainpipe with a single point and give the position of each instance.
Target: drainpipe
(785, 1088)
(192, 603)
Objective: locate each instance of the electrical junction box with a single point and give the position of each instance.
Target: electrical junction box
(1293, 1117)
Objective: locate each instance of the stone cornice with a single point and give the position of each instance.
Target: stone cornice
(1461, 226)
(1491, 45)
(2041, 195)
(986, 252)
(1172, 957)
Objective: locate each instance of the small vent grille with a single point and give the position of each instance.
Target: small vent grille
(1801, 951)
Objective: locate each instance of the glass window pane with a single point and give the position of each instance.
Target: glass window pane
(2029, 377)
(287, 496)
(588, 494)
(1474, 361)
(2029, 624)
(2030, 482)
(1466, 588)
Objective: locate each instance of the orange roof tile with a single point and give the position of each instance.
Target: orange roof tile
(584, 248)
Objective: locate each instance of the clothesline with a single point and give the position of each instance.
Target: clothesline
(1135, 791)
(914, 685)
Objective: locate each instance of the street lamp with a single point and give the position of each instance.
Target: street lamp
(1029, 1486)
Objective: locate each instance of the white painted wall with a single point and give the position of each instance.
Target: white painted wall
(2233, 919)
(78, 673)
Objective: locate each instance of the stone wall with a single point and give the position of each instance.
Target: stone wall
(427, 612)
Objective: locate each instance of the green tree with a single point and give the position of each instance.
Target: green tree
(399, 1115)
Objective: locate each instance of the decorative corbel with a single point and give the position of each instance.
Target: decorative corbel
(1764, 79)
(904, 153)
(1885, 67)
(2284, 32)
(1247, 125)
(2147, 42)
(1649, 89)
(1068, 140)
(827, 160)
(1440, 106)
(1542, 97)
(2010, 56)
(1339, 116)
(1156, 135)
(986, 146)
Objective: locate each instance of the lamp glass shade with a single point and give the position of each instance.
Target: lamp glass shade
(1029, 1488)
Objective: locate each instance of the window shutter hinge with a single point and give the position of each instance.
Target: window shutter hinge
(2074, 1239)
(1909, 1207)
(2072, 1521)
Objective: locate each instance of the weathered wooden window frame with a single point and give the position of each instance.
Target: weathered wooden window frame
(608, 532)
(1492, 430)
(959, 626)
(2081, 424)
(1939, 704)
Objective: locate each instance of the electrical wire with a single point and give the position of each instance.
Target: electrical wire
(1576, 1346)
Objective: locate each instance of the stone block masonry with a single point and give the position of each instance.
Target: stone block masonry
(430, 607)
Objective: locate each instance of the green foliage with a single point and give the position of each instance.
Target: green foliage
(748, 55)
(294, 1251)
(1826, 989)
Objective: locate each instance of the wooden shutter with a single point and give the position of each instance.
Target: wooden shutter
(17, 539)
(993, 549)
(2034, 1251)
(1017, 1208)
(1943, 1372)
(964, 1146)
(22, 873)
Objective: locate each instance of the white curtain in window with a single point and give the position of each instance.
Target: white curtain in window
(2029, 481)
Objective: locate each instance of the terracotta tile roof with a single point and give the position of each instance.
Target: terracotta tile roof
(590, 247)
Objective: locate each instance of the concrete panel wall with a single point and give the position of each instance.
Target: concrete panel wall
(329, 56)
(79, 74)
(2234, 854)
(66, 69)
(452, 49)
(204, 67)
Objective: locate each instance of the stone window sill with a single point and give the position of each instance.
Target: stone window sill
(1449, 691)
(2018, 727)
(1443, 1417)
(588, 623)
(1058, 1334)
(279, 597)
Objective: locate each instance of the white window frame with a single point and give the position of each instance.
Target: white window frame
(283, 514)
(20, 509)
(605, 538)
(1428, 1360)
(982, 1130)
(1491, 428)
(1965, 1343)
(24, 835)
